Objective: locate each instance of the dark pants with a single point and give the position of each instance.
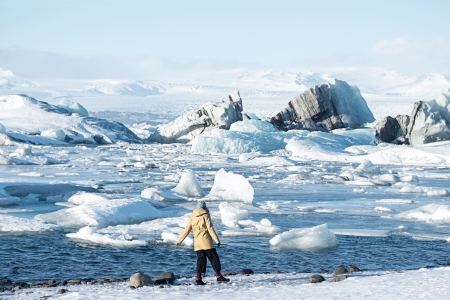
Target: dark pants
(213, 257)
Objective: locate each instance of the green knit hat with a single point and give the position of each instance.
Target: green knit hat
(201, 204)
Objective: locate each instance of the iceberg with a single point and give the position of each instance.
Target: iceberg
(319, 237)
(200, 121)
(230, 186)
(102, 213)
(429, 213)
(189, 185)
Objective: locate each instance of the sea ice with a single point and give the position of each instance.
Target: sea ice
(428, 213)
(15, 225)
(367, 167)
(152, 194)
(86, 198)
(73, 107)
(90, 234)
(438, 193)
(230, 186)
(230, 214)
(102, 213)
(56, 134)
(318, 237)
(189, 185)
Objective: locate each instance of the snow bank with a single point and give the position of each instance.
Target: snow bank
(318, 237)
(428, 213)
(189, 185)
(102, 213)
(90, 234)
(73, 107)
(230, 186)
(231, 214)
(15, 225)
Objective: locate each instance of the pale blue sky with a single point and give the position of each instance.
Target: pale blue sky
(407, 36)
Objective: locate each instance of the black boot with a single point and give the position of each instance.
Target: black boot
(222, 279)
(199, 281)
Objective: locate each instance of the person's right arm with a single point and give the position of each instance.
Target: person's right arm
(185, 232)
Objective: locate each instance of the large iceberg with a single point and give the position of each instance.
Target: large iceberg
(204, 119)
(429, 121)
(37, 122)
(230, 186)
(325, 107)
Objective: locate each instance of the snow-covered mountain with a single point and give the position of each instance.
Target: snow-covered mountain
(9, 81)
(427, 85)
(137, 88)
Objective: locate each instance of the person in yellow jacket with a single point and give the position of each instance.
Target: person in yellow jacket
(204, 233)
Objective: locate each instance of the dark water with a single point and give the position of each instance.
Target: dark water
(52, 256)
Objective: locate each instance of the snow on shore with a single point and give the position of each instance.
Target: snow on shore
(416, 284)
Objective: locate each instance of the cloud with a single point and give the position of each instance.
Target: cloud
(392, 47)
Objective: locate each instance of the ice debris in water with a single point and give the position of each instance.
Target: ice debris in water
(172, 238)
(230, 186)
(7, 199)
(85, 198)
(90, 234)
(152, 194)
(428, 213)
(438, 193)
(231, 214)
(56, 134)
(318, 237)
(102, 213)
(189, 185)
(367, 167)
(11, 224)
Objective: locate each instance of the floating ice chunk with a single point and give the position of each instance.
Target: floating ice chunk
(252, 126)
(360, 183)
(395, 201)
(31, 174)
(347, 176)
(244, 157)
(411, 188)
(269, 205)
(56, 134)
(90, 234)
(230, 186)
(102, 213)
(318, 237)
(409, 178)
(189, 185)
(362, 232)
(367, 167)
(152, 194)
(230, 214)
(400, 185)
(389, 178)
(85, 198)
(382, 209)
(6, 199)
(23, 151)
(427, 213)
(73, 107)
(10, 224)
(438, 193)
(264, 226)
(2, 128)
(359, 191)
(172, 238)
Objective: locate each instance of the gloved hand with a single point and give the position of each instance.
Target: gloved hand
(218, 244)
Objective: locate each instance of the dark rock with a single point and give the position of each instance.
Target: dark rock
(5, 282)
(340, 270)
(316, 278)
(51, 281)
(339, 278)
(20, 283)
(73, 282)
(113, 279)
(246, 272)
(353, 269)
(228, 273)
(194, 123)
(15, 289)
(103, 280)
(387, 129)
(62, 291)
(63, 283)
(165, 278)
(323, 271)
(325, 107)
(140, 279)
(277, 272)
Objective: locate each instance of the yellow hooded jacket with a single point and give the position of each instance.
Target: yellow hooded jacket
(201, 224)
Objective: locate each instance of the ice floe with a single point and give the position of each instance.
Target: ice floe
(318, 237)
(189, 185)
(89, 234)
(230, 186)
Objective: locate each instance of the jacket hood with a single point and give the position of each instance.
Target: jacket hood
(200, 212)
